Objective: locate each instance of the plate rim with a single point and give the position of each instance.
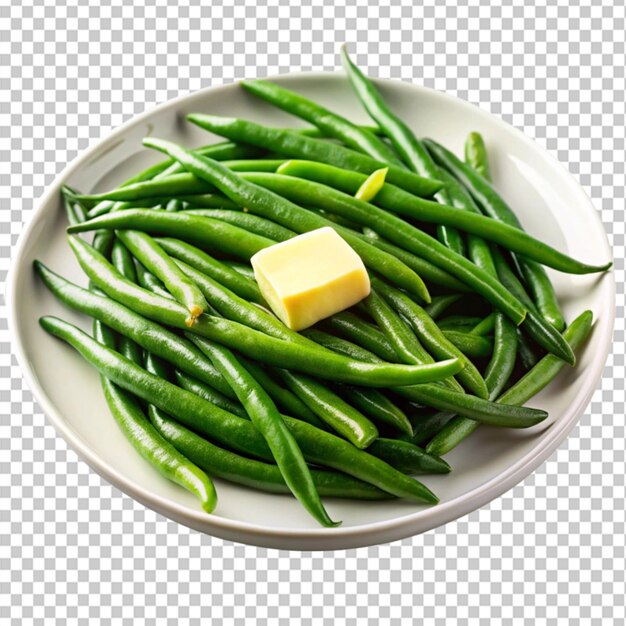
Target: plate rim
(311, 538)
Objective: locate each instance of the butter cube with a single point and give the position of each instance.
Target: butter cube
(310, 277)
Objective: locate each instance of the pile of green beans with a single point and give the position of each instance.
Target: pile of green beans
(208, 384)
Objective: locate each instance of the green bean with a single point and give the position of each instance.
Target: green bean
(294, 145)
(207, 201)
(420, 266)
(189, 383)
(74, 210)
(494, 206)
(265, 416)
(440, 304)
(217, 270)
(402, 339)
(155, 259)
(527, 355)
(398, 231)
(343, 418)
(433, 339)
(171, 186)
(174, 205)
(413, 153)
(477, 248)
(541, 331)
(283, 398)
(122, 260)
(193, 228)
(253, 165)
(308, 359)
(248, 221)
(476, 155)
(372, 185)
(156, 450)
(472, 346)
(342, 346)
(485, 326)
(268, 204)
(328, 122)
(548, 367)
(459, 323)
(255, 474)
(109, 206)
(377, 406)
(396, 200)
(501, 366)
(528, 386)
(472, 407)
(407, 457)
(425, 428)
(370, 340)
(367, 335)
(241, 268)
(219, 151)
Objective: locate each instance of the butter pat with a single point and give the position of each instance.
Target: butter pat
(310, 277)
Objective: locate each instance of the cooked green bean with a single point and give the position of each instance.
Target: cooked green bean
(440, 304)
(500, 368)
(156, 261)
(472, 346)
(476, 155)
(377, 406)
(407, 457)
(427, 426)
(527, 355)
(291, 144)
(548, 367)
(398, 333)
(202, 231)
(171, 186)
(343, 418)
(413, 153)
(485, 326)
(433, 339)
(445, 399)
(217, 270)
(248, 221)
(122, 260)
(283, 398)
(494, 206)
(189, 383)
(351, 326)
(329, 123)
(148, 442)
(541, 331)
(148, 334)
(427, 270)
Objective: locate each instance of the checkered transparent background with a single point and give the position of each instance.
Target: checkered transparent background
(73, 549)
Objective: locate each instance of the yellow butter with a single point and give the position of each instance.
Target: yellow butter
(310, 277)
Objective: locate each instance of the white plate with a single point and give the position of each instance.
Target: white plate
(548, 201)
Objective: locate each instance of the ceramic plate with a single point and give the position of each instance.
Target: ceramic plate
(550, 204)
